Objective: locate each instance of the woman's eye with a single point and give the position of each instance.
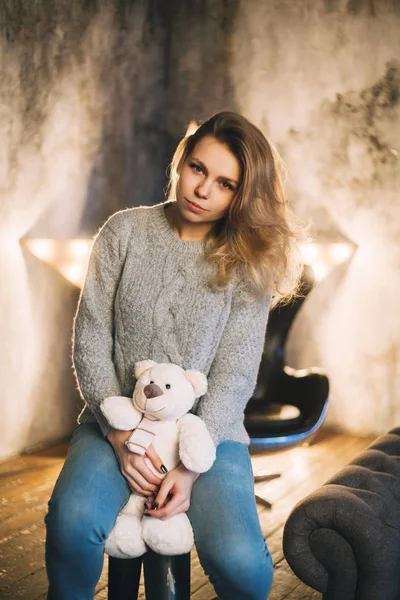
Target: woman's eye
(226, 185)
(196, 168)
(168, 386)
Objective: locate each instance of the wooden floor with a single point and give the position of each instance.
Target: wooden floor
(26, 483)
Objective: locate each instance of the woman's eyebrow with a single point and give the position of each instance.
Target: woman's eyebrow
(205, 169)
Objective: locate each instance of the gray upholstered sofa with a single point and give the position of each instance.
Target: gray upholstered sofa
(344, 538)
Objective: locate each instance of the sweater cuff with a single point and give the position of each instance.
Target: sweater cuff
(102, 421)
(99, 417)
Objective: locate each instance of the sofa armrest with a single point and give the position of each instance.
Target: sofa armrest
(344, 538)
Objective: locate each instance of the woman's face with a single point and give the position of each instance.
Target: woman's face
(208, 182)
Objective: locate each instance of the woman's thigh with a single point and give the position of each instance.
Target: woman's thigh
(89, 492)
(227, 530)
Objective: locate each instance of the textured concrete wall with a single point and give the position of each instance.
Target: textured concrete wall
(323, 80)
(82, 135)
(94, 97)
(199, 79)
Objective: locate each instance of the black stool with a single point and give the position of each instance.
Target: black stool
(280, 389)
(165, 577)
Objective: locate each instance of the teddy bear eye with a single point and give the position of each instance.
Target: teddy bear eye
(167, 385)
(151, 381)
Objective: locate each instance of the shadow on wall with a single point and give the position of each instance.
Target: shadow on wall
(324, 84)
(199, 81)
(352, 149)
(96, 95)
(129, 166)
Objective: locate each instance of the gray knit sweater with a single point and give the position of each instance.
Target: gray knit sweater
(146, 297)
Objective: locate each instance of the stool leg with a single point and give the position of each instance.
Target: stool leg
(166, 577)
(124, 578)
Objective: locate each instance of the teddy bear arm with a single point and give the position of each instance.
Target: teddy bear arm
(120, 412)
(196, 448)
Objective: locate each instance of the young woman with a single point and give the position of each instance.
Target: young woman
(188, 281)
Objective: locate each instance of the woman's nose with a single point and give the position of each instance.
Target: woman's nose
(203, 190)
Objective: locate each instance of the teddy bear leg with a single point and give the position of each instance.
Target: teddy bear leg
(173, 536)
(125, 539)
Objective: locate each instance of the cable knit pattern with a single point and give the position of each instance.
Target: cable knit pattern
(146, 297)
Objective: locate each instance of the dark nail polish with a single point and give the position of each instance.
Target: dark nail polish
(164, 469)
(145, 508)
(155, 506)
(148, 499)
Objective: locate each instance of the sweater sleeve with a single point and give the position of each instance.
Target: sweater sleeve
(93, 331)
(233, 374)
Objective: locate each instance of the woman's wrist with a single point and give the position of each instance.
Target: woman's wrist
(194, 475)
(117, 436)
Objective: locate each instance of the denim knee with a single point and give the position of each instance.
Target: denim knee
(72, 528)
(241, 573)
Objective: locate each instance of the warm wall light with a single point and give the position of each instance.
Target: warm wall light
(71, 257)
(44, 249)
(80, 249)
(323, 257)
(68, 257)
(309, 253)
(341, 252)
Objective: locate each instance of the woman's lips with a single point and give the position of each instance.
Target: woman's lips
(195, 207)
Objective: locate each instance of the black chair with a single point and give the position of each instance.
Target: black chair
(281, 389)
(165, 577)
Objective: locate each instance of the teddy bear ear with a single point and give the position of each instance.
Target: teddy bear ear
(142, 366)
(198, 381)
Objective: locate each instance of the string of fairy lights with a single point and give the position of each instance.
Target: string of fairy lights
(71, 257)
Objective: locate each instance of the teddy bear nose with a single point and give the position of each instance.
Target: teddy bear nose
(152, 390)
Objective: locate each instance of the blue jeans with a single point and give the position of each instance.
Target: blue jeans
(90, 491)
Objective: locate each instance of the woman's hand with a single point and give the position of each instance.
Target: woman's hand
(133, 466)
(174, 494)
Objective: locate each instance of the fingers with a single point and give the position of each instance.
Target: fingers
(140, 465)
(163, 493)
(139, 483)
(139, 490)
(160, 498)
(139, 477)
(156, 460)
(135, 466)
(168, 502)
(135, 486)
(178, 504)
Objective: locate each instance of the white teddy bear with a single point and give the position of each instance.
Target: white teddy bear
(163, 394)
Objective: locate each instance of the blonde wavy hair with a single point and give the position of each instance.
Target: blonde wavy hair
(257, 240)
